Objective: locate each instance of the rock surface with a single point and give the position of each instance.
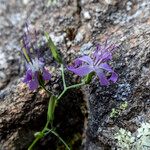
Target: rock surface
(76, 25)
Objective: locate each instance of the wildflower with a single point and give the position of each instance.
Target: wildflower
(97, 63)
(36, 73)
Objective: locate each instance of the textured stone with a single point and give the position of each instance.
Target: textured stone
(86, 15)
(126, 23)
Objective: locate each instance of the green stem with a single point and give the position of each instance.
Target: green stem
(64, 83)
(39, 137)
(63, 76)
(34, 142)
(75, 85)
(58, 98)
(62, 93)
(60, 139)
(46, 126)
(69, 87)
(46, 89)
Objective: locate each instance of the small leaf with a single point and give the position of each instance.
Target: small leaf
(39, 134)
(25, 53)
(88, 78)
(53, 48)
(51, 108)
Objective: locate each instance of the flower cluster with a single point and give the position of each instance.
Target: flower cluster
(36, 74)
(97, 63)
(35, 67)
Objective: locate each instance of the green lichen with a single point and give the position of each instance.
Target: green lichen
(115, 112)
(140, 140)
(143, 137)
(125, 139)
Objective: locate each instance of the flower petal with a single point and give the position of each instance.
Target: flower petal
(98, 48)
(33, 85)
(28, 76)
(77, 63)
(106, 67)
(41, 62)
(114, 77)
(106, 56)
(102, 78)
(81, 71)
(86, 59)
(46, 75)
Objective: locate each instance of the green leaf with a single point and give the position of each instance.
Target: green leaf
(88, 78)
(39, 134)
(51, 108)
(25, 52)
(53, 48)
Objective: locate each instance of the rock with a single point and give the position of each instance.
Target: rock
(123, 92)
(3, 63)
(85, 48)
(111, 2)
(79, 37)
(15, 18)
(125, 23)
(129, 4)
(57, 39)
(86, 15)
(3, 7)
(25, 2)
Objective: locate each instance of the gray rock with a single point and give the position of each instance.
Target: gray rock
(25, 2)
(79, 37)
(15, 18)
(57, 39)
(85, 48)
(99, 20)
(111, 2)
(86, 15)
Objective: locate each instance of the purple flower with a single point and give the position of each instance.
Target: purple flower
(35, 72)
(35, 67)
(97, 63)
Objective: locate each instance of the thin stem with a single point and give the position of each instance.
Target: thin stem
(46, 126)
(58, 98)
(40, 137)
(75, 85)
(62, 93)
(46, 89)
(64, 83)
(34, 142)
(69, 87)
(60, 139)
(63, 76)
(48, 131)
